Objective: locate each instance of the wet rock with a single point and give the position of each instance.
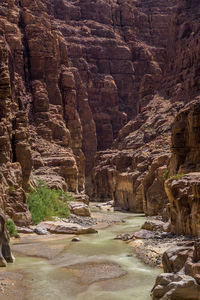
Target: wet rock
(41, 231)
(76, 239)
(124, 237)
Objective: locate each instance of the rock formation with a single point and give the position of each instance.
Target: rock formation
(181, 277)
(134, 174)
(70, 80)
(89, 91)
(134, 171)
(5, 252)
(182, 187)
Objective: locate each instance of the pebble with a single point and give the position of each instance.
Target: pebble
(83, 221)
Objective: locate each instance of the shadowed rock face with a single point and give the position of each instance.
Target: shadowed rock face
(5, 252)
(134, 174)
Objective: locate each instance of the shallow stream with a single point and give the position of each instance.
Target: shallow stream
(55, 279)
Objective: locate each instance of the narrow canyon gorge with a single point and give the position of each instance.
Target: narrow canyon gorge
(101, 98)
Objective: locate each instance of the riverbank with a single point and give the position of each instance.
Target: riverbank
(150, 251)
(152, 240)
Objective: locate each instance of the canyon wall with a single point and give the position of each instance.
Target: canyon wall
(183, 187)
(134, 173)
(89, 91)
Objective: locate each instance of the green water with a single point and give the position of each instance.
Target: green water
(49, 279)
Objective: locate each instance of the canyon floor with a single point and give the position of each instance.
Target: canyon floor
(98, 266)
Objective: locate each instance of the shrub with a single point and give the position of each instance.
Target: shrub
(165, 174)
(177, 176)
(11, 188)
(44, 203)
(10, 225)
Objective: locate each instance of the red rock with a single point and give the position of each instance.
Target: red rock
(80, 77)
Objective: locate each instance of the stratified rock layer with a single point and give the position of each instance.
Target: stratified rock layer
(70, 80)
(80, 77)
(183, 186)
(134, 174)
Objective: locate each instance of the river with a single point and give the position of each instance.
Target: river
(96, 268)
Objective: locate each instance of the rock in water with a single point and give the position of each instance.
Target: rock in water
(5, 251)
(41, 231)
(76, 239)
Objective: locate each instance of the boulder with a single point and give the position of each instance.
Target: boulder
(144, 234)
(175, 287)
(41, 231)
(79, 209)
(155, 225)
(76, 239)
(181, 278)
(65, 228)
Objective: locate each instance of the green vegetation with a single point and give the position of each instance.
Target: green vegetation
(45, 203)
(11, 188)
(177, 176)
(165, 174)
(147, 128)
(10, 225)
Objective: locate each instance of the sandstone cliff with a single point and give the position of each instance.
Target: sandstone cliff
(106, 77)
(183, 187)
(134, 173)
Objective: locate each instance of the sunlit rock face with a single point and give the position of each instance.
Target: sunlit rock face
(183, 187)
(180, 279)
